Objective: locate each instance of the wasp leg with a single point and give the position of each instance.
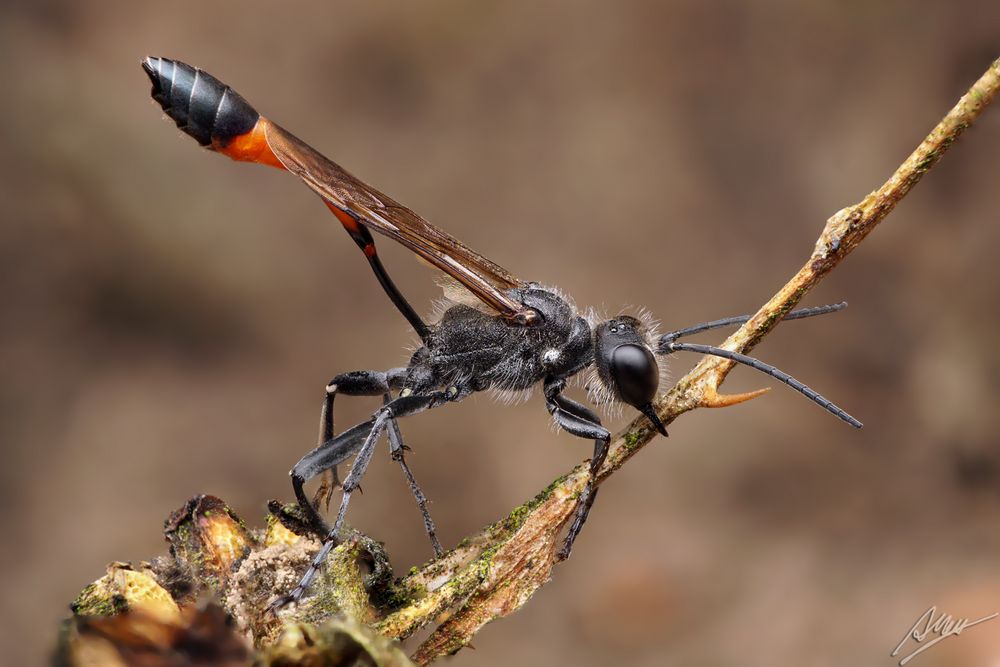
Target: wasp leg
(325, 457)
(397, 449)
(578, 420)
(363, 238)
(330, 480)
(362, 439)
(356, 383)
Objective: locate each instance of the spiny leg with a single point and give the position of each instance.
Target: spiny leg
(397, 450)
(578, 420)
(358, 468)
(355, 383)
(322, 458)
(361, 439)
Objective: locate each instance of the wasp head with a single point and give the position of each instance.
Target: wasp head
(626, 366)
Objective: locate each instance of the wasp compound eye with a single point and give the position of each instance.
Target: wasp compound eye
(635, 373)
(636, 377)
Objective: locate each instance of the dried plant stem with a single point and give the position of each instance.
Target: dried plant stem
(500, 569)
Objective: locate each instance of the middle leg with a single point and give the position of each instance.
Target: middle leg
(582, 422)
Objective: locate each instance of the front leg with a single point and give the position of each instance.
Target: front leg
(582, 422)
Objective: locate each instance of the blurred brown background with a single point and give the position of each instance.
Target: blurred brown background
(170, 317)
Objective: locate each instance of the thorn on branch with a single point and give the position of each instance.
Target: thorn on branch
(711, 398)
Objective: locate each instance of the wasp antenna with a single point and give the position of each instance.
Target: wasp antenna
(669, 347)
(741, 319)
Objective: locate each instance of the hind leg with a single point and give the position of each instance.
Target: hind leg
(355, 383)
(397, 449)
(369, 383)
(360, 439)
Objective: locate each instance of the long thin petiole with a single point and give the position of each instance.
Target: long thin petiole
(740, 319)
(668, 347)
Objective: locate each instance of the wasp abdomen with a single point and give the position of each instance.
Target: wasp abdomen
(201, 105)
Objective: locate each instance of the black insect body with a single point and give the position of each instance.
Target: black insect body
(500, 334)
(480, 350)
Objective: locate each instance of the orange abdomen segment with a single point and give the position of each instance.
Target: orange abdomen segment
(249, 147)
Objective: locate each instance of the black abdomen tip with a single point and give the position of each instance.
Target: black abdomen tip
(200, 104)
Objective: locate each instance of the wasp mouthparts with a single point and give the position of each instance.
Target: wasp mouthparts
(653, 417)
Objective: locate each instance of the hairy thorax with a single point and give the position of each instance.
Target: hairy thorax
(481, 350)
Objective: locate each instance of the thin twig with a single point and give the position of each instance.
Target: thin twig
(498, 571)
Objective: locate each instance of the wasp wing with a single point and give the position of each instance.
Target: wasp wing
(488, 281)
